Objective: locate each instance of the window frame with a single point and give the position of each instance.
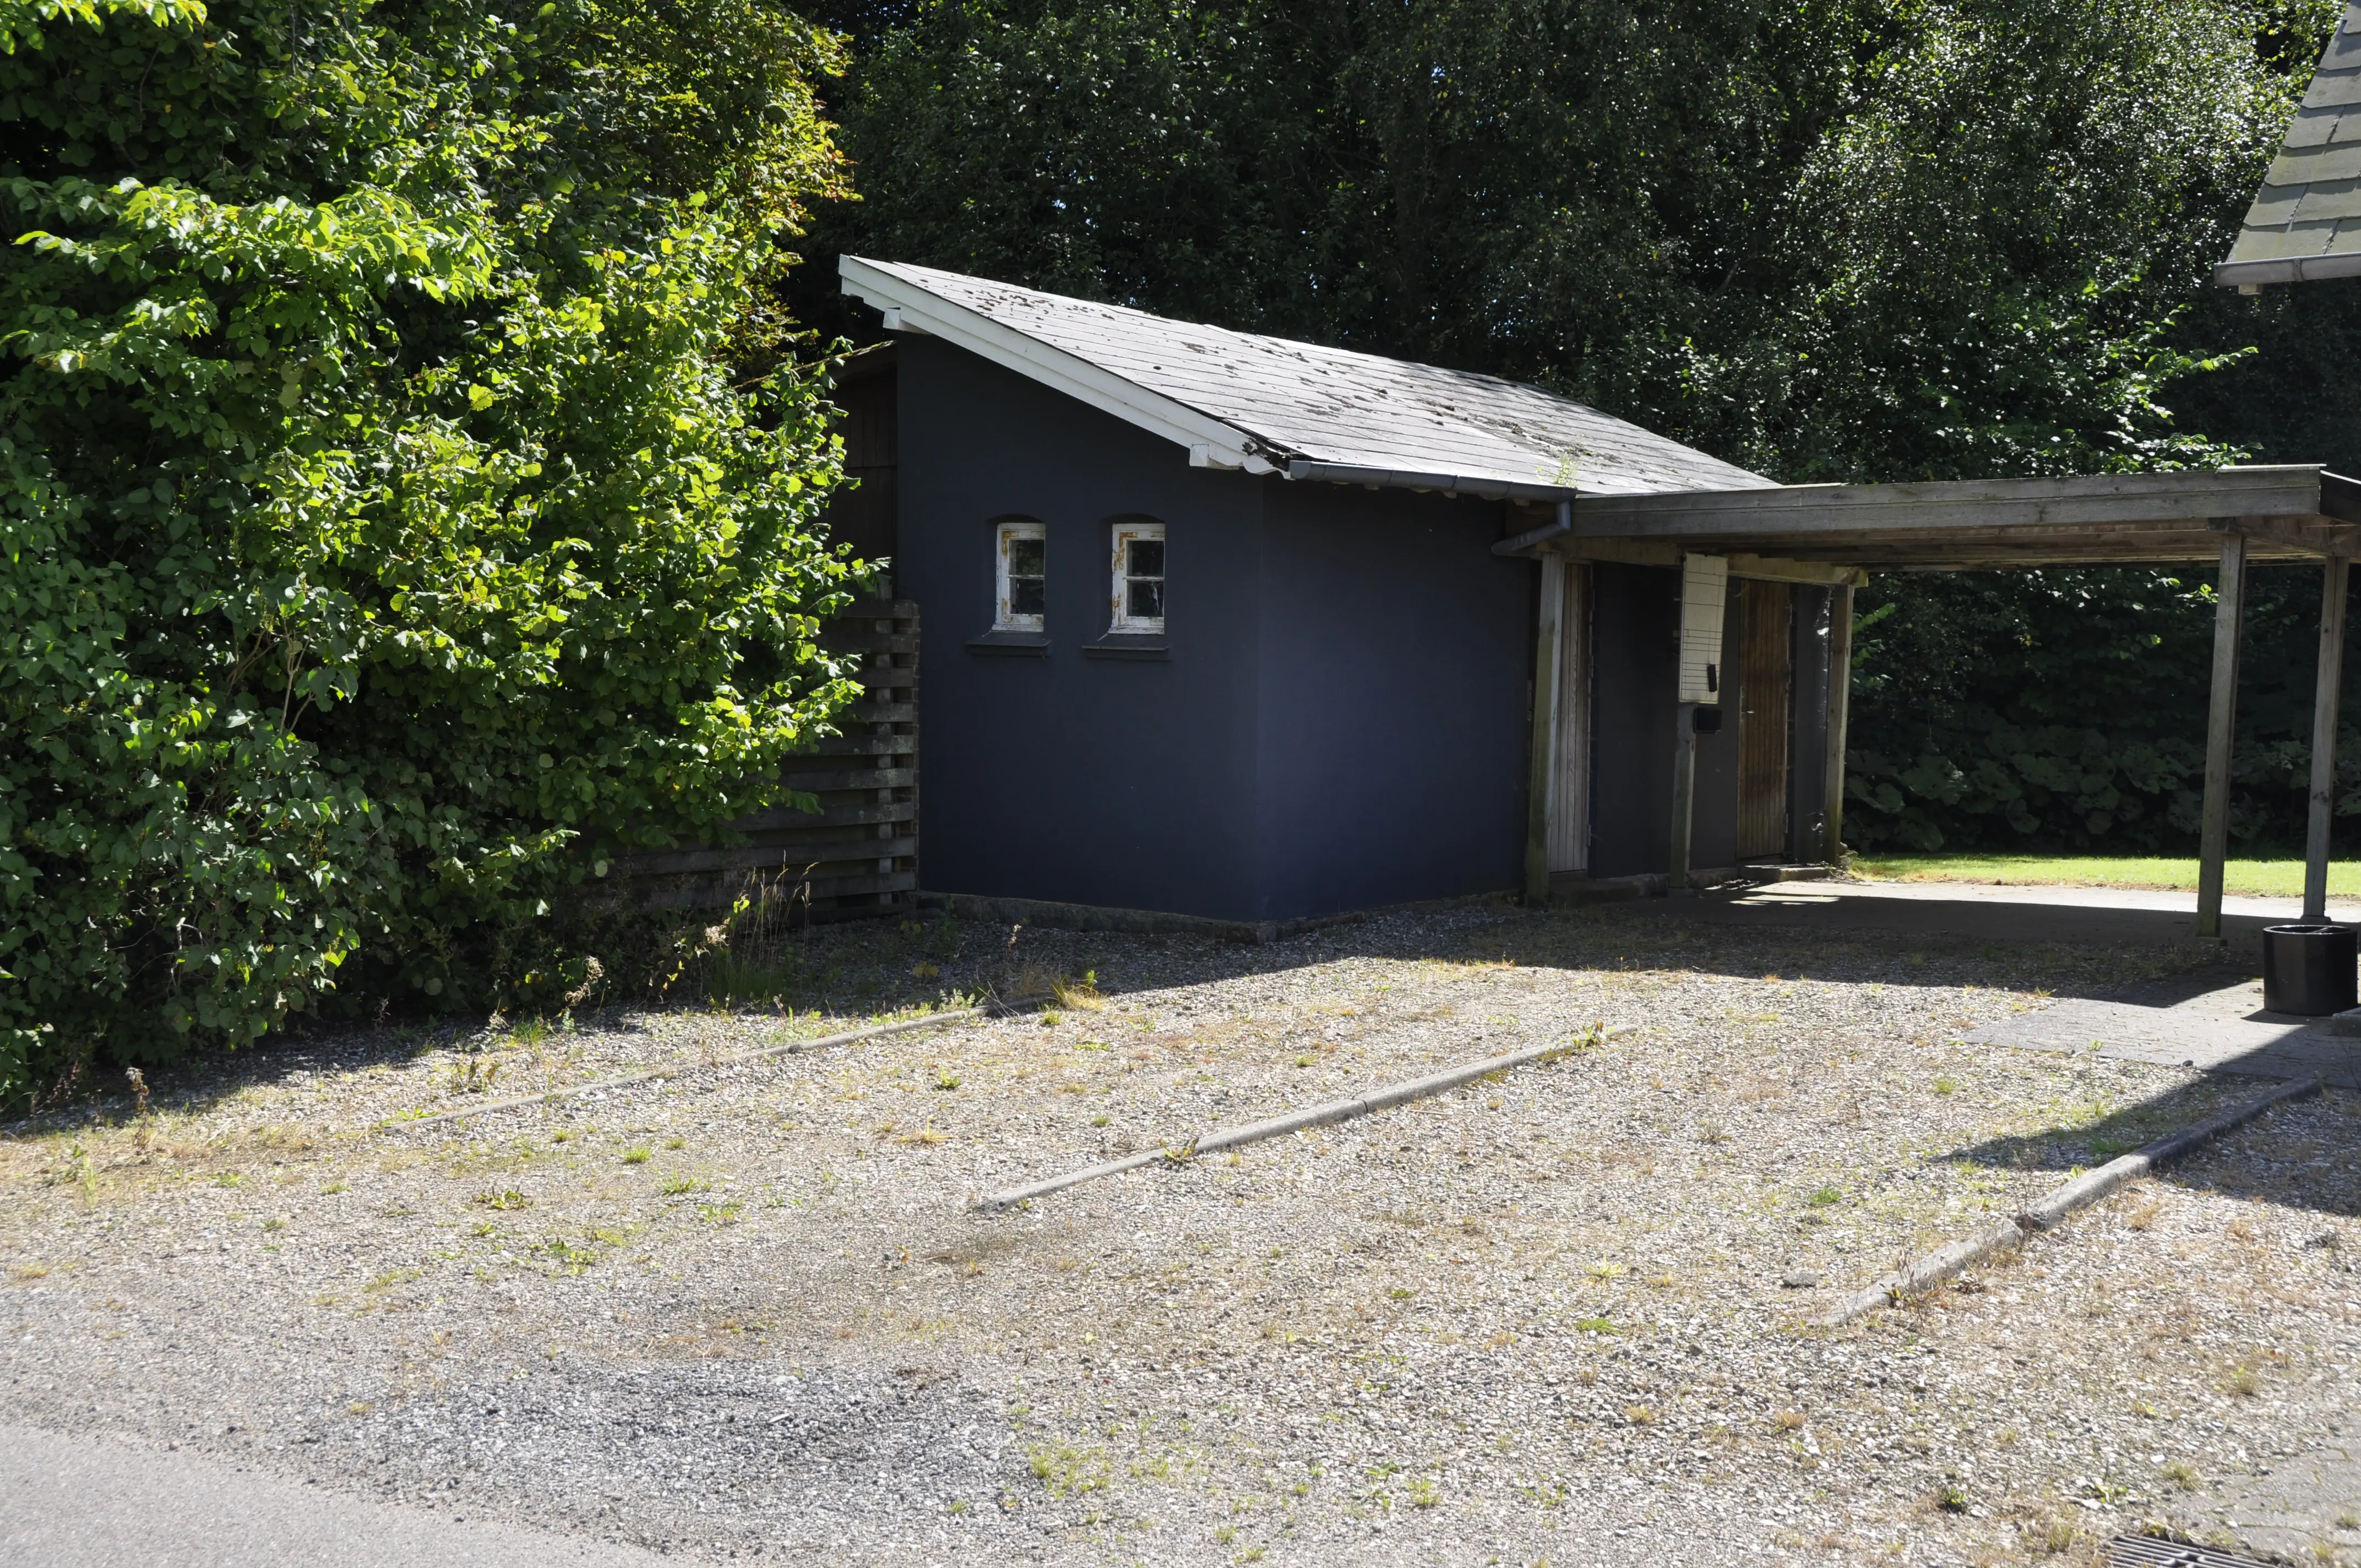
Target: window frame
(1004, 618)
(1121, 623)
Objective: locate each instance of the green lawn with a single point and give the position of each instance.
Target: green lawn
(2265, 879)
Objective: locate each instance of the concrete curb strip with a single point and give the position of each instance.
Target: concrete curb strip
(1321, 1115)
(2049, 1210)
(793, 1047)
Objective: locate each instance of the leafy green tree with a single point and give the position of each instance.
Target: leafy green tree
(387, 538)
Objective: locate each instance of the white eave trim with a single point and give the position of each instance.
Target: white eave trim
(908, 308)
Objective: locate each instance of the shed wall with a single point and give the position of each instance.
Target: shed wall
(1119, 782)
(1396, 655)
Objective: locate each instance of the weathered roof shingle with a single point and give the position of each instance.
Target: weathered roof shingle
(1240, 399)
(2306, 220)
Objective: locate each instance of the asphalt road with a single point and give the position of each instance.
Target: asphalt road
(71, 1502)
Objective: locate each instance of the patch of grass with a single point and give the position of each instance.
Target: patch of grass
(1788, 1421)
(1825, 1198)
(501, 1198)
(1422, 1492)
(1640, 1415)
(675, 1142)
(635, 1156)
(1594, 1326)
(1083, 995)
(679, 1186)
(944, 1078)
(1947, 1085)
(2258, 879)
(2183, 1474)
(1063, 1468)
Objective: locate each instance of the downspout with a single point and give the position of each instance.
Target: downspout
(1517, 544)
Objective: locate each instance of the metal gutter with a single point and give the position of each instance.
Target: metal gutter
(1412, 479)
(2287, 269)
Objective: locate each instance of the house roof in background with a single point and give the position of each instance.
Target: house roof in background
(1270, 404)
(2306, 220)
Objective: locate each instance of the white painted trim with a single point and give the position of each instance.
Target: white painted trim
(1004, 618)
(1119, 615)
(918, 310)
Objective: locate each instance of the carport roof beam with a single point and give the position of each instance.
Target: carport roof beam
(2289, 511)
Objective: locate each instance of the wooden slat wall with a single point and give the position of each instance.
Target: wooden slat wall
(858, 854)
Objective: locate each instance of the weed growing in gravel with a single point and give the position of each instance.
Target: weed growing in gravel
(1640, 1415)
(2052, 1535)
(2242, 1383)
(1950, 1497)
(635, 1156)
(944, 1078)
(472, 1076)
(1083, 995)
(1825, 1198)
(1063, 1468)
(675, 1142)
(680, 1186)
(1788, 1421)
(2144, 1216)
(1947, 1085)
(1424, 1492)
(2182, 1475)
(721, 1214)
(501, 1198)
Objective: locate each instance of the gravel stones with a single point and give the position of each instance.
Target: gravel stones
(745, 1309)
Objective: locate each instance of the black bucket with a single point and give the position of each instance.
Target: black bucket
(2308, 970)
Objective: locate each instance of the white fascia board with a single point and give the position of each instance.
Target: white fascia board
(1211, 443)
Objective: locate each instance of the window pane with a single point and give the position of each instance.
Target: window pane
(1026, 595)
(1146, 597)
(1147, 558)
(1026, 557)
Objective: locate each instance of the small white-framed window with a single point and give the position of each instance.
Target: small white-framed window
(1021, 601)
(1138, 590)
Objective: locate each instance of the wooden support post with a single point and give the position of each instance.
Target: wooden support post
(1549, 639)
(2327, 694)
(1840, 702)
(2221, 731)
(1676, 877)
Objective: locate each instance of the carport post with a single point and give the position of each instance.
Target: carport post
(1840, 701)
(1677, 880)
(2326, 691)
(2221, 730)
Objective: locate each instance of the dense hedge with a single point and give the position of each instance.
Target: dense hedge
(387, 534)
(2066, 710)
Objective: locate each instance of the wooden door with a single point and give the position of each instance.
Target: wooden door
(1766, 682)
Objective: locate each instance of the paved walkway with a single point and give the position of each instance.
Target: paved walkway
(2209, 1018)
(73, 1502)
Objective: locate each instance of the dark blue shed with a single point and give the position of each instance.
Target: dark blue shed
(1230, 626)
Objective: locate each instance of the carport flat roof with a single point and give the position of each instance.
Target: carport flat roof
(2287, 511)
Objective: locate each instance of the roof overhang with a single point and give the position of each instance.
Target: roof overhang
(908, 308)
(2297, 511)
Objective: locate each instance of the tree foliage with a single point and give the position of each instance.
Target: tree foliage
(386, 538)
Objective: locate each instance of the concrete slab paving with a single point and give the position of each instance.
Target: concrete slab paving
(75, 1502)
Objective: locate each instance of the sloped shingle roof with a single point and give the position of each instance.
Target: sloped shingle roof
(1240, 399)
(2306, 220)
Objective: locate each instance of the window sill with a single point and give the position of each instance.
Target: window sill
(1016, 644)
(1127, 645)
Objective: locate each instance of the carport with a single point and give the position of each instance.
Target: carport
(1832, 534)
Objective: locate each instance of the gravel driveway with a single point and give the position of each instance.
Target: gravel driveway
(1557, 1316)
